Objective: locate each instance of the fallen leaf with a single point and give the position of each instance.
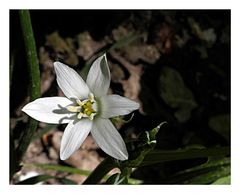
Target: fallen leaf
(87, 46)
(64, 50)
(131, 86)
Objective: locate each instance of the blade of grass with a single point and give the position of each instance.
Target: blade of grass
(203, 174)
(102, 169)
(68, 169)
(157, 156)
(223, 181)
(60, 168)
(41, 178)
(34, 84)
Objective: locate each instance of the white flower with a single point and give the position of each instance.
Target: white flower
(87, 108)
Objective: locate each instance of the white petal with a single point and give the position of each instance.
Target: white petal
(73, 137)
(115, 105)
(98, 79)
(108, 139)
(72, 85)
(49, 110)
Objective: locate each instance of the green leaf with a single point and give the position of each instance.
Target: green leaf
(133, 181)
(120, 179)
(221, 124)
(42, 178)
(158, 156)
(60, 168)
(66, 181)
(117, 179)
(34, 86)
(223, 181)
(138, 149)
(204, 174)
(102, 169)
(175, 94)
(72, 170)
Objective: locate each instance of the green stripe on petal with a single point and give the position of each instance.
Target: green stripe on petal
(108, 139)
(115, 105)
(98, 79)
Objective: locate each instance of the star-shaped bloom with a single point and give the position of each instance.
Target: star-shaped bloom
(86, 108)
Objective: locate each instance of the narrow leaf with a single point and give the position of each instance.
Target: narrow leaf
(157, 156)
(223, 181)
(42, 178)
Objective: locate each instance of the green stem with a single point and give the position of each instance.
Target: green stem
(34, 80)
(32, 59)
(102, 169)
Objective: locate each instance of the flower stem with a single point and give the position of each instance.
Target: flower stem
(34, 82)
(102, 169)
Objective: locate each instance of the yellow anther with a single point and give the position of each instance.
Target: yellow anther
(91, 97)
(74, 108)
(88, 104)
(80, 115)
(80, 103)
(92, 116)
(88, 112)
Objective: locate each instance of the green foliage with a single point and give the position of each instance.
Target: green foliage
(137, 151)
(157, 156)
(117, 179)
(60, 168)
(140, 148)
(34, 89)
(223, 181)
(42, 178)
(72, 170)
(175, 93)
(212, 172)
(221, 124)
(102, 169)
(142, 153)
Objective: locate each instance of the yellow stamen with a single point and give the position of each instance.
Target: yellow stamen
(84, 108)
(74, 108)
(80, 103)
(91, 97)
(91, 116)
(80, 115)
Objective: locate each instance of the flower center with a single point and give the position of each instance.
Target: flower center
(86, 108)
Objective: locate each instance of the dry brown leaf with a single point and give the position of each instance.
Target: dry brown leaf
(147, 53)
(121, 32)
(131, 86)
(163, 36)
(88, 46)
(117, 72)
(64, 49)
